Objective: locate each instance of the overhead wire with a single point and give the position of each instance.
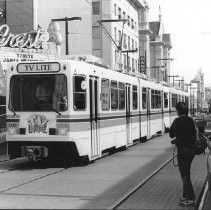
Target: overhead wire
(117, 23)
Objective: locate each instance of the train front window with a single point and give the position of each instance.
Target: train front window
(38, 93)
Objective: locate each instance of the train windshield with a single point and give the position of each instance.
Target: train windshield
(38, 93)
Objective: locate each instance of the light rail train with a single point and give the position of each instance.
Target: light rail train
(80, 110)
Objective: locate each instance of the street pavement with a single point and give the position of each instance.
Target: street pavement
(101, 184)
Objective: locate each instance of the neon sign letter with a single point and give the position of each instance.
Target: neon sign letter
(35, 39)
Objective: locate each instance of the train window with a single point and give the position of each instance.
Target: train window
(114, 95)
(158, 99)
(105, 99)
(165, 100)
(2, 100)
(121, 96)
(155, 99)
(79, 93)
(173, 100)
(186, 100)
(144, 98)
(38, 92)
(135, 97)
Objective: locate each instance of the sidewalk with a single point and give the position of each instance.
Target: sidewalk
(207, 204)
(165, 188)
(160, 192)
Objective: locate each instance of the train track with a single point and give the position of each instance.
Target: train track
(125, 197)
(24, 166)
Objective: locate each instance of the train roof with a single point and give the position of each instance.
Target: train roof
(100, 70)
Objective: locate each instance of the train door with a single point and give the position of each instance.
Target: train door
(128, 115)
(148, 113)
(93, 98)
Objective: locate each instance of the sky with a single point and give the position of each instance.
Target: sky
(189, 23)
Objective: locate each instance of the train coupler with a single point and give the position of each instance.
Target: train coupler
(34, 153)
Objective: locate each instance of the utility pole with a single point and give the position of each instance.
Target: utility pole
(129, 51)
(118, 47)
(66, 20)
(173, 76)
(180, 80)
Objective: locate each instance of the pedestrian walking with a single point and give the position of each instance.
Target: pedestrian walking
(183, 129)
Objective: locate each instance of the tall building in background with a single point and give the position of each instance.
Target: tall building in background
(208, 97)
(199, 80)
(160, 46)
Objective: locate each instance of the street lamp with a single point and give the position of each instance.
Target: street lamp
(66, 20)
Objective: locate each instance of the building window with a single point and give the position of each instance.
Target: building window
(128, 17)
(125, 62)
(116, 54)
(136, 65)
(132, 44)
(133, 68)
(128, 43)
(96, 8)
(115, 38)
(128, 67)
(119, 37)
(124, 41)
(123, 15)
(132, 23)
(119, 13)
(115, 9)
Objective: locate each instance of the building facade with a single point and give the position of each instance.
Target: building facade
(117, 47)
(127, 41)
(208, 97)
(160, 46)
(199, 80)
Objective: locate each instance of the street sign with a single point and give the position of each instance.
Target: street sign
(142, 64)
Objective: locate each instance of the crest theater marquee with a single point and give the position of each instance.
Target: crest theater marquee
(31, 46)
(36, 45)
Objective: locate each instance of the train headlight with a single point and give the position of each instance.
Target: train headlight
(62, 131)
(12, 131)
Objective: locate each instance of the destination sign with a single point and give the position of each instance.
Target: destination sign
(38, 67)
